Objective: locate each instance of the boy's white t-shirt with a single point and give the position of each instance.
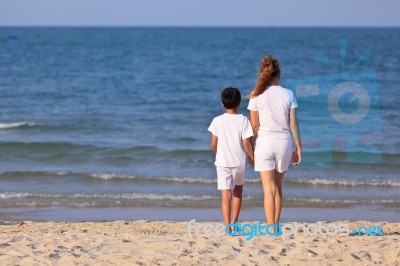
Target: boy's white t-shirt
(230, 129)
(273, 107)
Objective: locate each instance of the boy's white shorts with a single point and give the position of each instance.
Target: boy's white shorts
(272, 153)
(229, 177)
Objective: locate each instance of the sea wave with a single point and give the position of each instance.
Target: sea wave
(17, 125)
(190, 180)
(109, 154)
(126, 196)
(178, 197)
(311, 181)
(109, 177)
(328, 182)
(26, 199)
(155, 178)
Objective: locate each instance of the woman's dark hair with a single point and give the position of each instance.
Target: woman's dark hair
(269, 70)
(231, 98)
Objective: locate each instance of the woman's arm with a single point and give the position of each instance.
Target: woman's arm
(294, 126)
(255, 124)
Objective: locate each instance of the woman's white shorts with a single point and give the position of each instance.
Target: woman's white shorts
(272, 153)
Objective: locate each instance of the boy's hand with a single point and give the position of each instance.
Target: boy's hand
(251, 161)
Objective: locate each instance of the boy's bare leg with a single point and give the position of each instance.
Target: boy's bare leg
(278, 195)
(269, 187)
(236, 202)
(226, 196)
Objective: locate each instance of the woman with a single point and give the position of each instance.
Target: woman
(273, 118)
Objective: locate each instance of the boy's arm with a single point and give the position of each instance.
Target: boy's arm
(214, 143)
(248, 147)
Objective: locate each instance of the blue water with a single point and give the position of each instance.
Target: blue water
(111, 118)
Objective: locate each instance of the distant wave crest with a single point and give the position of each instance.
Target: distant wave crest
(127, 196)
(311, 181)
(322, 181)
(17, 125)
(24, 199)
(165, 179)
(116, 177)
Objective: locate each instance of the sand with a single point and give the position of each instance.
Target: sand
(168, 243)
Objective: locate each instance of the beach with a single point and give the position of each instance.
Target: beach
(169, 243)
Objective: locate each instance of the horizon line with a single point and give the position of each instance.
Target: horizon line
(198, 26)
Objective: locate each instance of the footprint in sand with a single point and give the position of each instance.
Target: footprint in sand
(54, 256)
(361, 254)
(273, 259)
(290, 245)
(61, 248)
(365, 255)
(311, 253)
(283, 252)
(80, 249)
(204, 251)
(215, 245)
(269, 247)
(185, 253)
(262, 252)
(32, 246)
(4, 245)
(17, 238)
(236, 249)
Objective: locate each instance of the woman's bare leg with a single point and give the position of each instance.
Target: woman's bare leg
(278, 195)
(269, 187)
(226, 196)
(236, 202)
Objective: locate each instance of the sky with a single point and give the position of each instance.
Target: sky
(300, 13)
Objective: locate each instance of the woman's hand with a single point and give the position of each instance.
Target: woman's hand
(294, 127)
(296, 157)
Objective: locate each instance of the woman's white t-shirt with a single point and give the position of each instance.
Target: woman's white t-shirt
(273, 107)
(230, 129)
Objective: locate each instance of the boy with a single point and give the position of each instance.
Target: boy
(230, 140)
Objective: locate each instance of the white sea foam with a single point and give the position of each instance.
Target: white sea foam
(16, 124)
(127, 196)
(179, 197)
(164, 179)
(321, 181)
(344, 201)
(310, 181)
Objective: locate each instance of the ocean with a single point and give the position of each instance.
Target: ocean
(111, 123)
